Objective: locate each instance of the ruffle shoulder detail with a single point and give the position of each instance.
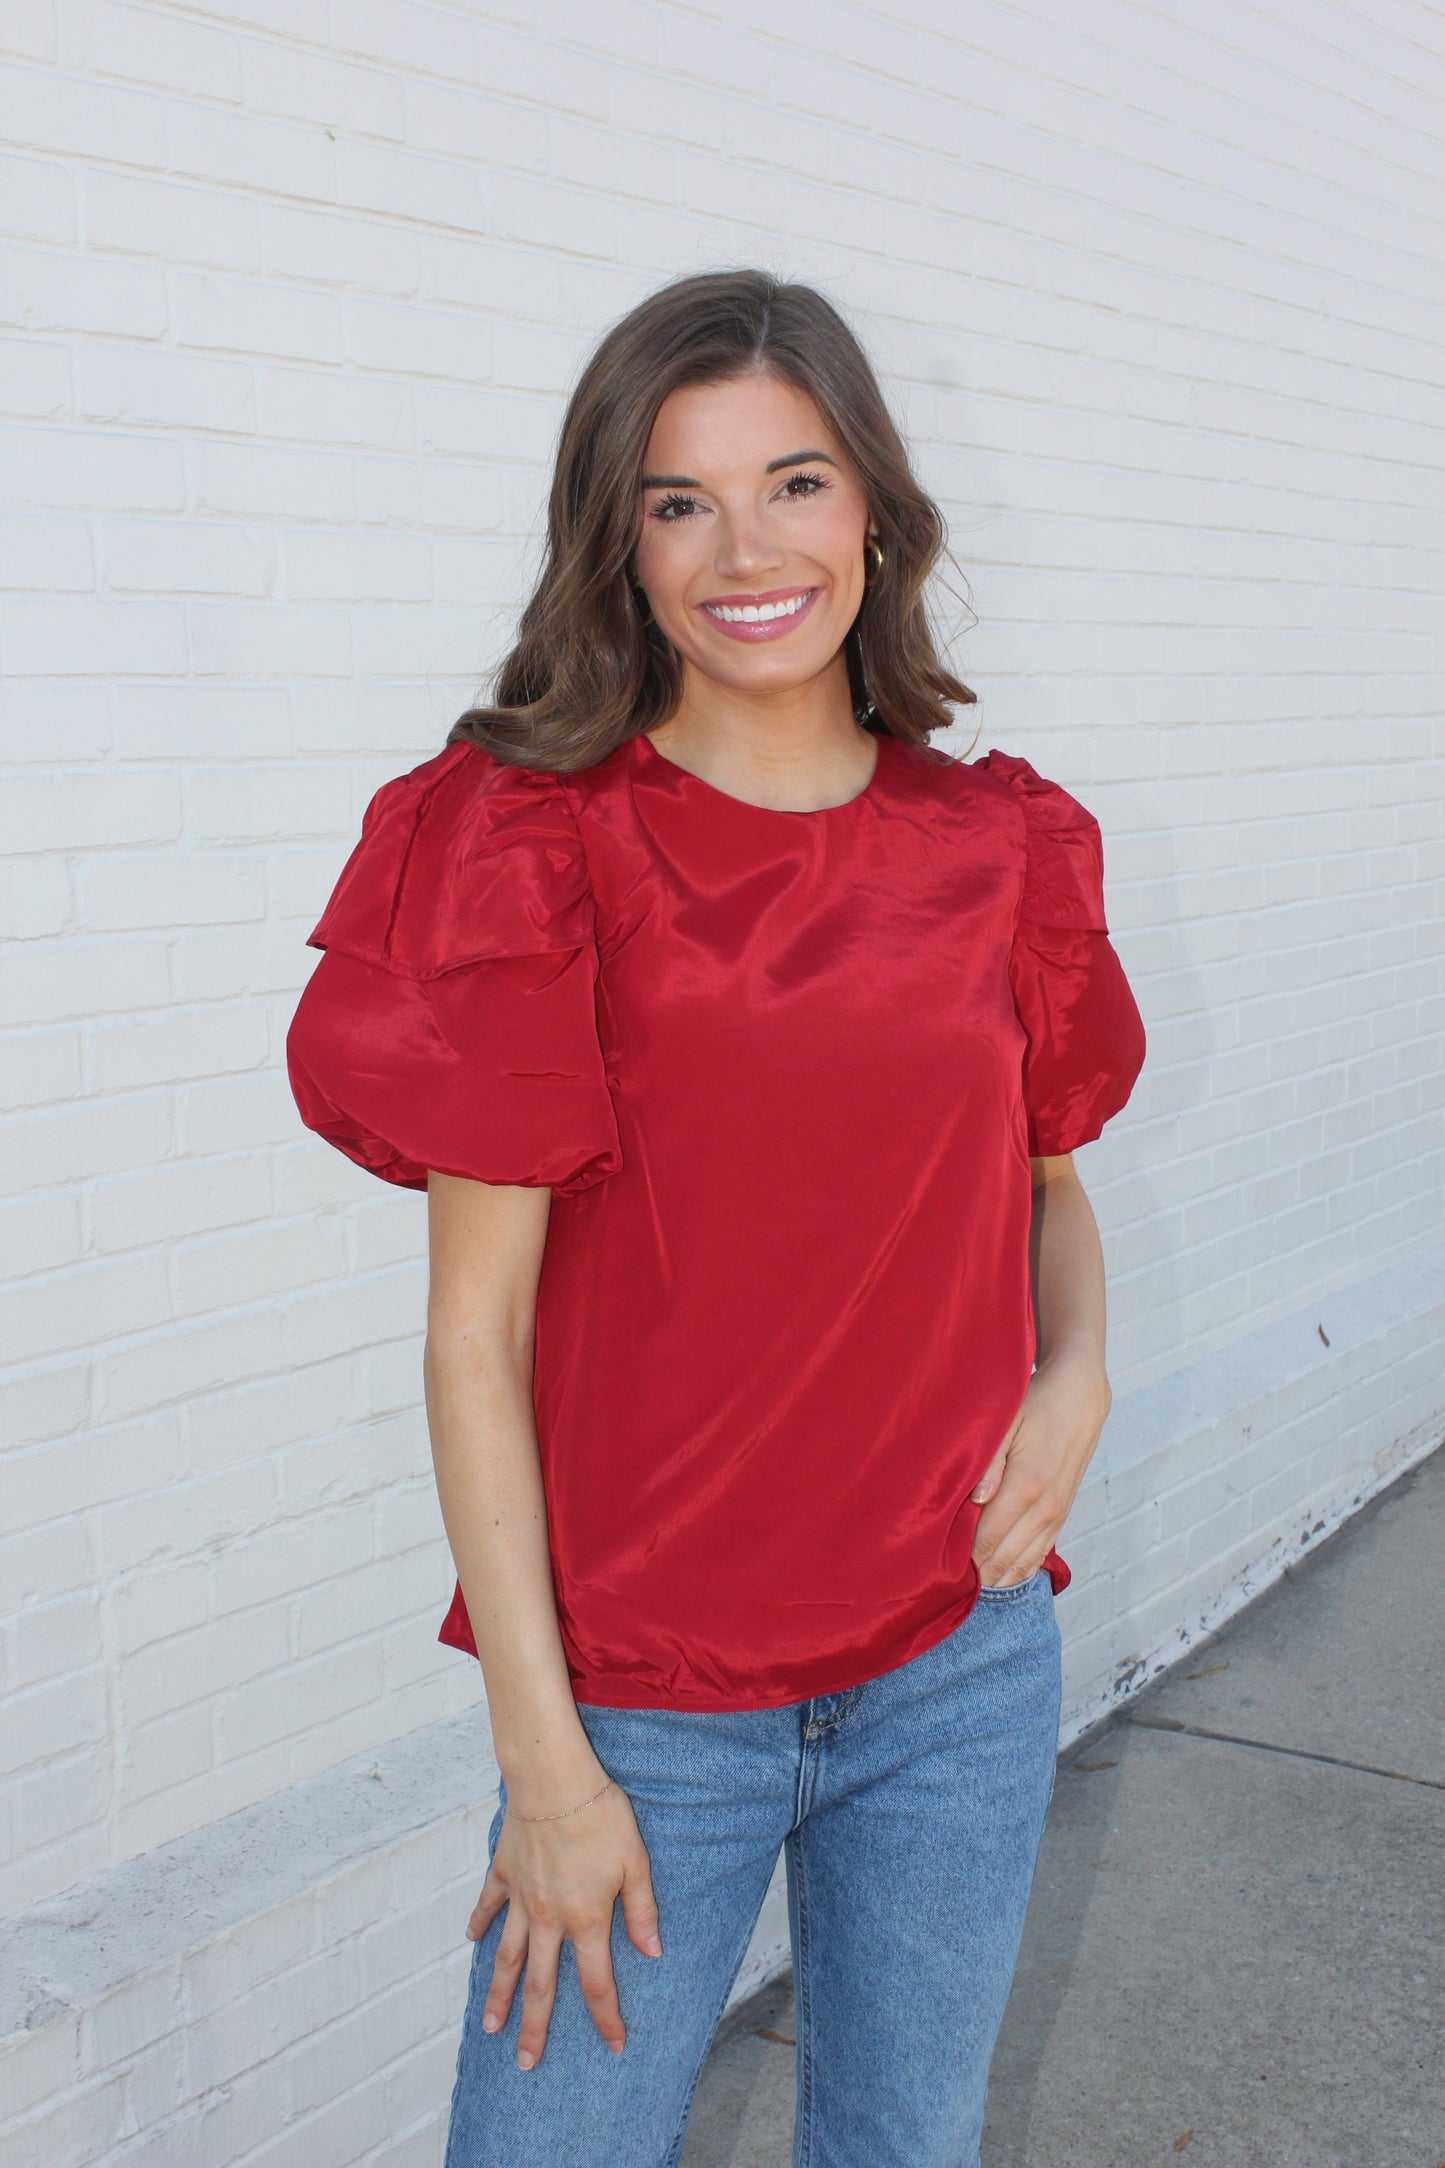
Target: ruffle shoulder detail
(1064, 880)
(451, 1023)
(1085, 1041)
(464, 858)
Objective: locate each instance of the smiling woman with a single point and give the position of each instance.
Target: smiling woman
(740, 1039)
(786, 533)
(594, 661)
(741, 520)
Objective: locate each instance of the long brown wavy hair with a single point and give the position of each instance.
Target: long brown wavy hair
(586, 671)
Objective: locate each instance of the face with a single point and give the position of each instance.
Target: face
(752, 527)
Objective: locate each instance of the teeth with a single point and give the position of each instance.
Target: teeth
(757, 614)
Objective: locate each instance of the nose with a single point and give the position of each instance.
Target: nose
(745, 546)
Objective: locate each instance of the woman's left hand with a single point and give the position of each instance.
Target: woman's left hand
(1034, 1477)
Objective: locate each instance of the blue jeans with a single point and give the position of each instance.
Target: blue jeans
(909, 1810)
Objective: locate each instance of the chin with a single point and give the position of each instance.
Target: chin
(775, 680)
(776, 665)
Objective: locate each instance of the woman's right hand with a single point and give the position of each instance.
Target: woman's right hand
(559, 1879)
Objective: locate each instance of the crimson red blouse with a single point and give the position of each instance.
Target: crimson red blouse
(783, 1072)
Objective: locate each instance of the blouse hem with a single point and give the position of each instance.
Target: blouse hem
(601, 1691)
(614, 1694)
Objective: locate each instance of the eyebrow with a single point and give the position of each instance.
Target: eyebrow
(690, 481)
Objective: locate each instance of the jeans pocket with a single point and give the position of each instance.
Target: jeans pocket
(1014, 1594)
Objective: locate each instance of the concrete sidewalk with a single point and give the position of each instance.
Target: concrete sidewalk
(1235, 1953)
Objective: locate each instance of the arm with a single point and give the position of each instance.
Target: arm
(558, 1876)
(1034, 1478)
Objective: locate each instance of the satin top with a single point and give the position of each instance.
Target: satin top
(783, 1073)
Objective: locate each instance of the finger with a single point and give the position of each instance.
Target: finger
(988, 1483)
(1015, 1560)
(1010, 1531)
(997, 1530)
(488, 1905)
(1022, 1509)
(599, 1989)
(539, 1993)
(506, 1971)
(639, 1909)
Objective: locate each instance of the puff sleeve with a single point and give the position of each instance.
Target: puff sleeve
(1085, 1035)
(451, 1022)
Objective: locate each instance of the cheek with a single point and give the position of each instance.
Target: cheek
(838, 537)
(665, 557)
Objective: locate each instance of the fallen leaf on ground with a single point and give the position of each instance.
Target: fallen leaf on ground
(765, 2032)
(1180, 2143)
(1212, 1673)
(1088, 1767)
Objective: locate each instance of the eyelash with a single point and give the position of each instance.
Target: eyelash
(671, 507)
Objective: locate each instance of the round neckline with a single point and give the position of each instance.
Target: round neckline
(773, 812)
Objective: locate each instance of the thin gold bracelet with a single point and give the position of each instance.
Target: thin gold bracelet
(565, 1811)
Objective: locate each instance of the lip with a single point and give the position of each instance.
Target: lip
(775, 627)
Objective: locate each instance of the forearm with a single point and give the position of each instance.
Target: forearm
(1067, 1265)
(1034, 1477)
(489, 1481)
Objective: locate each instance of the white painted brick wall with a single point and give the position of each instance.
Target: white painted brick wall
(289, 302)
(286, 1985)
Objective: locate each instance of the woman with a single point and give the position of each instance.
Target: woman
(740, 1040)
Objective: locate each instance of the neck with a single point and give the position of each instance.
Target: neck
(798, 748)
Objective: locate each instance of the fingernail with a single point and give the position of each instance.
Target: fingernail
(654, 1947)
(616, 2046)
(491, 2022)
(525, 2058)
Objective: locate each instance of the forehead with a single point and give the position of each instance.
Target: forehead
(742, 423)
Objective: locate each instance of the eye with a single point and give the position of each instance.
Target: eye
(800, 486)
(674, 507)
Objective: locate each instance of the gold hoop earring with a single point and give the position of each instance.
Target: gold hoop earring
(644, 607)
(872, 564)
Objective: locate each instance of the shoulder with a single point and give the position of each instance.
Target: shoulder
(1045, 805)
(463, 857)
(1012, 787)
(464, 798)
(1064, 880)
